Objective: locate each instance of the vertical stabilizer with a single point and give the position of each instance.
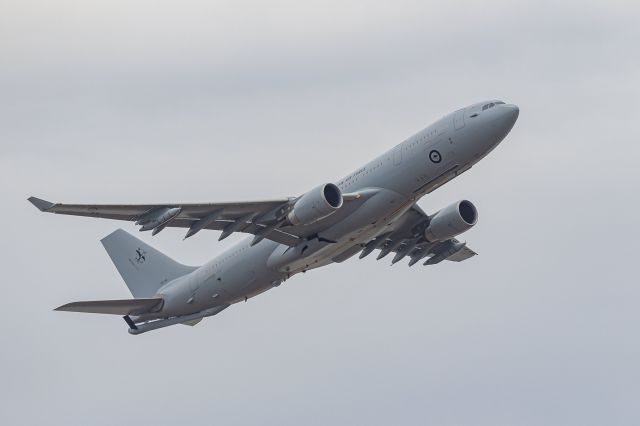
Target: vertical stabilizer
(143, 268)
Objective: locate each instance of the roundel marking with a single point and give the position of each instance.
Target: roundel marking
(435, 156)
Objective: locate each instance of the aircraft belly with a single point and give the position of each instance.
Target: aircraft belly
(247, 276)
(374, 213)
(361, 226)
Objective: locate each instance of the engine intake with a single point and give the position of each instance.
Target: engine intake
(451, 221)
(315, 205)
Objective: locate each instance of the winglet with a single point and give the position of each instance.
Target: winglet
(42, 205)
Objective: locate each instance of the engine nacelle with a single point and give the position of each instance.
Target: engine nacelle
(316, 204)
(451, 221)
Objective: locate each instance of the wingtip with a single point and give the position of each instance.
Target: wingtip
(42, 205)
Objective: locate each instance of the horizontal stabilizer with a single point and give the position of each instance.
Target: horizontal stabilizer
(113, 307)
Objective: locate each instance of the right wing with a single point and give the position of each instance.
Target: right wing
(406, 239)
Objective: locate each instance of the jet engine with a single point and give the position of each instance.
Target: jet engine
(451, 221)
(316, 204)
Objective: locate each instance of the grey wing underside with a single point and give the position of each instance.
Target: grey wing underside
(406, 239)
(263, 219)
(257, 217)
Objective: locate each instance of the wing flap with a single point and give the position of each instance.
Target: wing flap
(113, 307)
(276, 235)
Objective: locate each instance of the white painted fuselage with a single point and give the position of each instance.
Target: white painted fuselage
(390, 184)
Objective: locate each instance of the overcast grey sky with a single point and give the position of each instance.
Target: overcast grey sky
(151, 101)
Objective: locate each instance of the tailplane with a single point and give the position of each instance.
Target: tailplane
(114, 307)
(143, 268)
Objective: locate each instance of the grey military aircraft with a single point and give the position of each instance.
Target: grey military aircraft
(373, 208)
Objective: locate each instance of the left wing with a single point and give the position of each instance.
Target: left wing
(407, 239)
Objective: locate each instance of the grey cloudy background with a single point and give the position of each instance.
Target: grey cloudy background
(151, 101)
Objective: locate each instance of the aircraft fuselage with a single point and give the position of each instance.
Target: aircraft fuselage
(391, 184)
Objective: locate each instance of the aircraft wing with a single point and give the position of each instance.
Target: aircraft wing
(255, 217)
(264, 219)
(406, 239)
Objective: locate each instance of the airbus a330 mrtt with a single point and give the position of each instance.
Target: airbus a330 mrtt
(373, 208)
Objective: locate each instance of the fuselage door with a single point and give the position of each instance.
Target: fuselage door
(194, 281)
(458, 119)
(397, 155)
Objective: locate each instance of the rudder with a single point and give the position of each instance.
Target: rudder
(143, 268)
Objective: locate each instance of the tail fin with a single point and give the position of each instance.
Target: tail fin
(143, 268)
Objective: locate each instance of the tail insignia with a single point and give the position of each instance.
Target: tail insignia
(140, 255)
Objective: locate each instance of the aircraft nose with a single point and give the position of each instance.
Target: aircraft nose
(507, 118)
(499, 122)
(511, 112)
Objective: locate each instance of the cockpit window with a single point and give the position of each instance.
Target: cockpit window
(487, 106)
(491, 105)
